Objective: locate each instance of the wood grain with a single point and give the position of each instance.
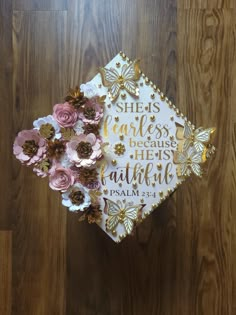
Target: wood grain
(5, 272)
(141, 282)
(42, 5)
(204, 88)
(5, 117)
(39, 234)
(232, 207)
(181, 260)
(206, 4)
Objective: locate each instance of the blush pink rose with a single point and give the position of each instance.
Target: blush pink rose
(65, 114)
(61, 178)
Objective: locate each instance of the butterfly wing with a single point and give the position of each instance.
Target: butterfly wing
(114, 91)
(131, 73)
(204, 135)
(179, 131)
(187, 131)
(187, 134)
(110, 80)
(182, 170)
(131, 87)
(109, 76)
(196, 157)
(131, 215)
(113, 210)
(180, 157)
(196, 168)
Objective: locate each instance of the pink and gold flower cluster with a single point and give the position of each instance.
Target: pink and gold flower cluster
(66, 147)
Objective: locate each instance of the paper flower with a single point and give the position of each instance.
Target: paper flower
(56, 149)
(48, 127)
(40, 172)
(89, 89)
(188, 161)
(78, 127)
(76, 198)
(76, 97)
(87, 176)
(89, 128)
(91, 112)
(65, 114)
(65, 162)
(29, 147)
(84, 150)
(93, 214)
(41, 169)
(61, 178)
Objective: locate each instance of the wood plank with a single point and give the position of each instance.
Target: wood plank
(233, 173)
(90, 43)
(137, 276)
(204, 220)
(206, 4)
(5, 271)
(232, 207)
(42, 5)
(40, 221)
(5, 117)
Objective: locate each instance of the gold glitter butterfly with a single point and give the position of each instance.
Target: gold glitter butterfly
(197, 138)
(117, 213)
(118, 81)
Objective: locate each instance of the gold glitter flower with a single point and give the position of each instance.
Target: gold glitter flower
(87, 176)
(56, 148)
(89, 128)
(119, 149)
(93, 214)
(47, 131)
(75, 97)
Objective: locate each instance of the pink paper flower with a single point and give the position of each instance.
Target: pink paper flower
(61, 178)
(40, 172)
(84, 150)
(65, 114)
(29, 147)
(92, 112)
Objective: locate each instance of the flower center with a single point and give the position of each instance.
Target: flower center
(89, 113)
(55, 148)
(84, 150)
(91, 129)
(30, 148)
(47, 131)
(76, 197)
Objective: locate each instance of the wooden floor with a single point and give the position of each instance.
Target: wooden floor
(182, 259)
